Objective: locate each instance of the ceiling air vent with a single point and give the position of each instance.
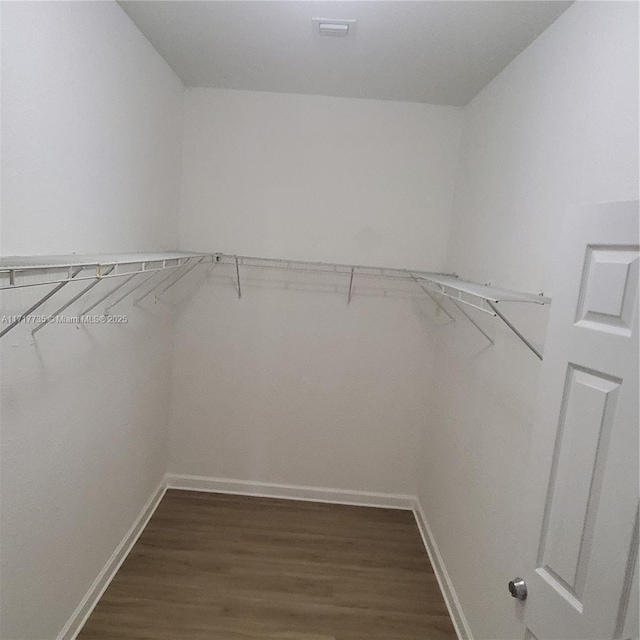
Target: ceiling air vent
(334, 28)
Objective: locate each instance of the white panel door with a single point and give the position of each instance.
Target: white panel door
(581, 574)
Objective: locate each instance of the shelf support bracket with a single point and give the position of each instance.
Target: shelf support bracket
(513, 328)
(104, 297)
(121, 298)
(435, 300)
(350, 285)
(67, 304)
(472, 321)
(238, 278)
(155, 286)
(40, 302)
(182, 275)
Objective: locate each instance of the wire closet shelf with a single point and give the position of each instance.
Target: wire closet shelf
(26, 271)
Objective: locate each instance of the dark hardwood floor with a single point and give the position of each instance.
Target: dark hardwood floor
(213, 566)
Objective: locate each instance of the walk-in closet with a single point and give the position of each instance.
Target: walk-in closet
(319, 320)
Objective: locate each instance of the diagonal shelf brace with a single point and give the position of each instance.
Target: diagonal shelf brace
(106, 295)
(121, 298)
(182, 275)
(471, 320)
(155, 286)
(431, 296)
(350, 285)
(238, 278)
(67, 304)
(41, 301)
(513, 328)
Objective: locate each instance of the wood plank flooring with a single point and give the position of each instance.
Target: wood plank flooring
(221, 567)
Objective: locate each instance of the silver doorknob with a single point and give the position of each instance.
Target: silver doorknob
(518, 588)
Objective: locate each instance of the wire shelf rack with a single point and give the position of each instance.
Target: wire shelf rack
(26, 271)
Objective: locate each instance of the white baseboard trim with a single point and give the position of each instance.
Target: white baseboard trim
(290, 492)
(442, 575)
(100, 584)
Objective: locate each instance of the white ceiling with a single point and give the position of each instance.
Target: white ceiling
(439, 52)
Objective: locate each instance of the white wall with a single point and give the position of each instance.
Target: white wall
(317, 178)
(91, 135)
(290, 384)
(85, 99)
(558, 127)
